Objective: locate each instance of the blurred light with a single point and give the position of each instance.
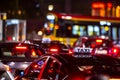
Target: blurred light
(69, 28)
(51, 25)
(105, 23)
(19, 12)
(37, 5)
(50, 7)
(106, 28)
(118, 11)
(98, 5)
(40, 33)
(108, 23)
(45, 25)
(33, 52)
(3, 16)
(75, 27)
(50, 17)
(99, 41)
(13, 38)
(102, 22)
(14, 21)
(103, 37)
(109, 5)
(56, 27)
(66, 17)
(21, 47)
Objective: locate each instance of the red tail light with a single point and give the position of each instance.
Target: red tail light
(115, 51)
(33, 52)
(54, 49)
(35, 66)
(21, 47)
(70, 51)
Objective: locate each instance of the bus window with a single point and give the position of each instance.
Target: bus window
(114, 34)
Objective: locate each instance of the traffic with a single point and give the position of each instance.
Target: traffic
(53, 60)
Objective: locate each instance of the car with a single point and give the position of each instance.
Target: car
(52, 46)
(22, 49)
(98, 45)
(5, 72)
(18, 55)
(18, 67)
(72, 67)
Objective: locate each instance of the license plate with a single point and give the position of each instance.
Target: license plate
(101, 51)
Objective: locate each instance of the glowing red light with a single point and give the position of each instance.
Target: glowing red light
(98, 5)
(54, 50)
(35, 66)
(109, 5)
(21, 47)
(115, 51)
(70, 51)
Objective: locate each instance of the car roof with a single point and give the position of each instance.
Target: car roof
(69, 59)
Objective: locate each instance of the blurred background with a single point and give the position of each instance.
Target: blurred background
(25, 19)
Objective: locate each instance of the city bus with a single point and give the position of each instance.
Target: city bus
(68, 27)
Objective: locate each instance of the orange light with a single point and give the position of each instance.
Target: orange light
(98, 5)
(33, 52)
(7, 67)
(99, 41)
(21, 47)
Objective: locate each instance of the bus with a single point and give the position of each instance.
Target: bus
(68, 27)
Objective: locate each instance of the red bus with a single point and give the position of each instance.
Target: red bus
(68, 27)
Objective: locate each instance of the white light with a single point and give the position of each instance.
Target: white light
(50, 7)
(14, 21)
(108, 23)
(40, 33)
(102, 22)
(13, 38)
(105, 23)
(50, 17)
(66, 17)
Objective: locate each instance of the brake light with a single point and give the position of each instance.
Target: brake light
(54, 49)
(35, 66)
(115, 51)
(99, 40)
(70, 51)
(33, 52)
(21, 47)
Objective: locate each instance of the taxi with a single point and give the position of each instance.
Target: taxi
(98, 45)
(72, 67)
(52, 46)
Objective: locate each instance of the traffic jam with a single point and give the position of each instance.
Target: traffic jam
(89, 58)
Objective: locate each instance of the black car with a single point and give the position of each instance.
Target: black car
(72, 67)
(52, 46)
(19, 55)
(20, 49)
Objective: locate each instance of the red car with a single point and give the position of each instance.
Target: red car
(97, 45)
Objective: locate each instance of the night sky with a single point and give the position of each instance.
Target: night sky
(32, 6)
